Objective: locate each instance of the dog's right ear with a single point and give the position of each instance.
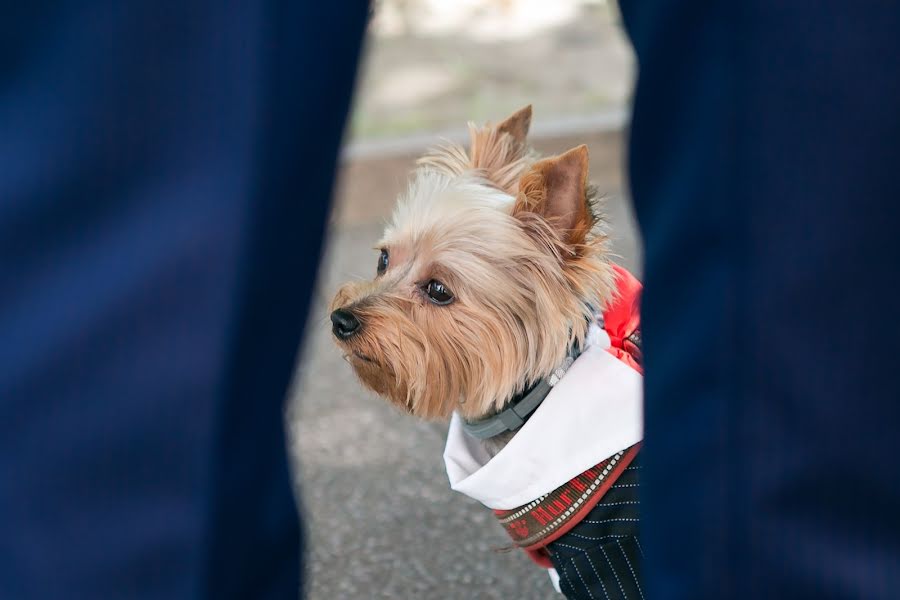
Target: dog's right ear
(555, 189)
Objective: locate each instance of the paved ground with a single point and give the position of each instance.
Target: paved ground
(432, 65)
(383, 522)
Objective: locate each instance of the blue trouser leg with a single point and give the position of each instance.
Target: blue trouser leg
(165, 173)
(765, 169)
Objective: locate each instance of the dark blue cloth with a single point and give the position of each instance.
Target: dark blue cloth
(601, 556)
(765, 170)
(165, 173)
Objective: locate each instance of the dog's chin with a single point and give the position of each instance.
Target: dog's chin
(375, 377)
(368, 370)
(358, 357)
(382, 381)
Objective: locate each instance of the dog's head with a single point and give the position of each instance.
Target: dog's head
(488, 272)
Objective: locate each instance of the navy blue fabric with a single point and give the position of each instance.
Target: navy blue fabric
(765, 170)
(165, 173)
(601, 557)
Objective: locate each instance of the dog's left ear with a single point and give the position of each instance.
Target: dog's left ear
(499, 151)
(555, 189)
(517, 125)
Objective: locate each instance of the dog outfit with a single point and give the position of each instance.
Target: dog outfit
(565, 487)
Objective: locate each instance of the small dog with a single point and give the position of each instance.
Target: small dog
(492, 279)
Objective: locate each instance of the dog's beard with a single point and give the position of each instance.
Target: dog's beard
(380, 380)
(431, 375)
(472, 357)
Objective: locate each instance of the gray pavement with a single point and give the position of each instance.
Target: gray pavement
(381, 518)
(483, 59)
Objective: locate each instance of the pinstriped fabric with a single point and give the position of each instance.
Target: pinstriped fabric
(544, 519)
(600, 558)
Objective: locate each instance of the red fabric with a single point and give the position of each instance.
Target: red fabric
(541, 556)
(622, 318)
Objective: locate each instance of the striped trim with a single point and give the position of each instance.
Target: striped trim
(547, 518)
(601, 557)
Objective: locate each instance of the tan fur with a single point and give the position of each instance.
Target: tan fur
(497, 153)
(525, 279)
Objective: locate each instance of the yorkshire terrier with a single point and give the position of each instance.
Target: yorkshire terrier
(495, 302)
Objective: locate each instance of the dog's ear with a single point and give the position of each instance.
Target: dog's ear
(555, 189)
(499, 151)
(517, 125)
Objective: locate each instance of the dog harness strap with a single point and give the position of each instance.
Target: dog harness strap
(607, 540)
(551, 516)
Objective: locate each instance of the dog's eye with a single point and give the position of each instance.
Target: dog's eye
(383, 261)
(438, 293)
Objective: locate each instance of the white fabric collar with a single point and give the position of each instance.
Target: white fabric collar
(594, 411)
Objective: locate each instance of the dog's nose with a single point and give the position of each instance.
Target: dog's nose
(344, 324)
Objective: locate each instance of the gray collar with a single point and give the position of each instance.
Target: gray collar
(521, 407)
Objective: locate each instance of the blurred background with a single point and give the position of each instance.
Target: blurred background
(382, 521)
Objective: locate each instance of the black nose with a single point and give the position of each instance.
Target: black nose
(344, 324)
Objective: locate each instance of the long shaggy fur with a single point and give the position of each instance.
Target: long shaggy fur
(524, 288)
